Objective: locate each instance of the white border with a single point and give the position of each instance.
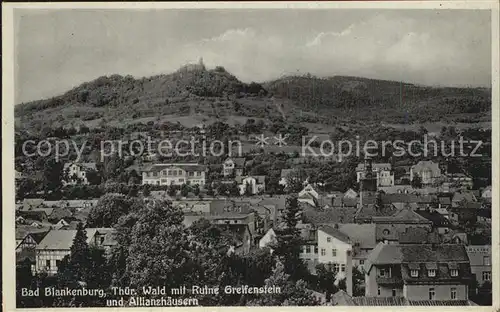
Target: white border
(8, 63)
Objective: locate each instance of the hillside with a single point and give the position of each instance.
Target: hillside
(216, 94)
(379, 98)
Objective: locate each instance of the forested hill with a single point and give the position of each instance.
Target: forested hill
(215, 93)
(354, 93)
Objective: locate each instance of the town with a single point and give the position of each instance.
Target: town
(389, 233)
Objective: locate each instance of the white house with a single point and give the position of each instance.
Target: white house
(174, 174)
(335, 250)
(384, 174)
(427, 170)
(76, 173)
(268, 239)
(57, 244)
(252, 184)
(308, 195)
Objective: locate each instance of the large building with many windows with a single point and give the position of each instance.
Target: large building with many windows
(418, 272)
(174, 174)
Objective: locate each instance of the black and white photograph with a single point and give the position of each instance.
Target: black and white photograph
(168, 155)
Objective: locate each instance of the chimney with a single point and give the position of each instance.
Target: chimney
(348, 277)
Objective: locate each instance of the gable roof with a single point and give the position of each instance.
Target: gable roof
(364, 234)
(334, 232)
(63, 239)
(402, 216)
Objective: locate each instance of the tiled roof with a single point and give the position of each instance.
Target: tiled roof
(379, 301)
(383, 254)
(336, 215)
(438, 253)
(402, 216)
(334, 232)
(185, 167)
(401, 301)
(364, 234)
(63, 239)
(371, 210)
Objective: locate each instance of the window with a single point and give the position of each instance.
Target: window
(394, 292)
(308, 249)
(432, 293)
(342, 267)
(453, 293)
(382, 272)
(454, 272)
(323, 251)
(335, 267)
(486, 260)
(414, 273)
(431, 273)
(334, 252)
(47, 263)
(316, 249)
(328, 239)
(486, 276)
(378, 291)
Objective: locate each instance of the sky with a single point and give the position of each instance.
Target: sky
(57, 50)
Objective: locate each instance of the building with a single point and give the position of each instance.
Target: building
(285, 173)
(251, 185)
(382, 171)
(427, 170)
(418, 271)
(57, 244)
(480, 262)
(335, 250)
(233, 167)
(486, 192)
(460, 180)
(76, 173)
(174, 174)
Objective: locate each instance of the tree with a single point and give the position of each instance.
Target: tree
(160, 251)
(146, 190)
(93, 177)
(326, 278)
(52, 175)
(289, 242)
(292, 211)
(295, 180)
(417, 181)
(77, 266)
(185, 189)
(292, 293)
(110, 208)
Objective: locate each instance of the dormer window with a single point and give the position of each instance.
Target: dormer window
(454, 272)
(414, 273)
(431, 273)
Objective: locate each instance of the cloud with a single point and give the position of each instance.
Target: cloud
(319, 37)
(232, 34)
(419, 46)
